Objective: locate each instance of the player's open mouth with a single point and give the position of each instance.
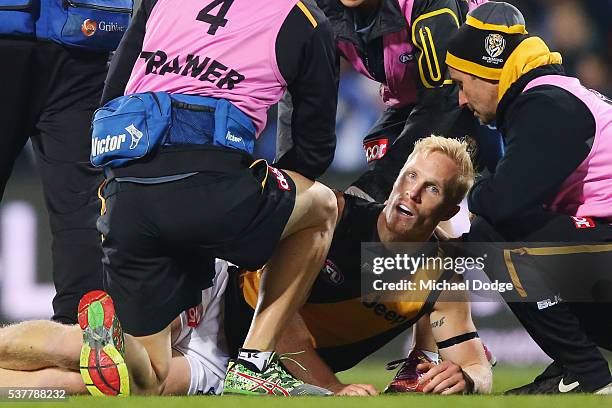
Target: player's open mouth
(402, 208)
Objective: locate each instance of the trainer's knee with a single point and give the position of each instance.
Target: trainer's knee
(325, 206)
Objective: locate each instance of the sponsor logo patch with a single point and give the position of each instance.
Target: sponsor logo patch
(472, 146)
(233, 138)
(136, 135)
(583, 222)
(567, 387)
(546, 303)
(89, 27)
(280, 178)
(406, 57)
(375, 149)
(332, 273)
(494, 46)
(194, 315)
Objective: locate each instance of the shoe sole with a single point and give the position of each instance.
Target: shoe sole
(102, 365)
(232, 391)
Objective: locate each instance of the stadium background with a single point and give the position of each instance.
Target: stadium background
(580, 30)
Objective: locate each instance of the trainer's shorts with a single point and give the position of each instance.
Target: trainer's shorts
(160, 240)
(202, 339)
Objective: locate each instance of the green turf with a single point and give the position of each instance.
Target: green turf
(372, 372)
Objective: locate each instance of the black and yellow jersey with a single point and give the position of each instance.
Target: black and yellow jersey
(345, 326)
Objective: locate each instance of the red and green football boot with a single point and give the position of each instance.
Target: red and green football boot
(102, 361)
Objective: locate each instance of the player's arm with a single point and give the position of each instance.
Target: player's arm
(306, 57)
(541, 151)
(127, 53)
(464, 366)
(313, 370)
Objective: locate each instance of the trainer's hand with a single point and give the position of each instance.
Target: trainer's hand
(444, 378)
(362, 390)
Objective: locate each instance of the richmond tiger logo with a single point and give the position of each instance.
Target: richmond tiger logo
(495, 44)
(89, 27)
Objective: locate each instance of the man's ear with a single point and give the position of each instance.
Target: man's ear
(451, 212)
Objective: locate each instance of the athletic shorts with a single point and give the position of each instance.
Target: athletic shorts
(202, 340)
(161, 240)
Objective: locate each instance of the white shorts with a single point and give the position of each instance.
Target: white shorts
(202, 338)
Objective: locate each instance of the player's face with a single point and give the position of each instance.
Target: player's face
(361, 3)
(420, 198)
(479, 95)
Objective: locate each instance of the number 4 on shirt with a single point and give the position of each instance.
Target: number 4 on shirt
(215, 20)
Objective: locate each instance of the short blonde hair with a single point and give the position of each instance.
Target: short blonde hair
(457, 151)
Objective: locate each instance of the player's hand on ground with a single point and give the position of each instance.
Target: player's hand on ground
(362, 390)
(444, 378)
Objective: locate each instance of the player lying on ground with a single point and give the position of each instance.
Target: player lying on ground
(46, 354)
(337, 328)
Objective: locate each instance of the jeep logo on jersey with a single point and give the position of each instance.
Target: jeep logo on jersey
(375, 149)
(379, 309)
(406, 57)
(89, 27)
(108, 144)
(332, 273)
(280, 178)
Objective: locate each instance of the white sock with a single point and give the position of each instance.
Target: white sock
(255, 357)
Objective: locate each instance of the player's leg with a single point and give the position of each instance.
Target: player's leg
(38, 344)
(59, 378)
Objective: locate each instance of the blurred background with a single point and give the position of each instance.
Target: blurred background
(580, 30)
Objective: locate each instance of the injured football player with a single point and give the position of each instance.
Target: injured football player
(340, 324)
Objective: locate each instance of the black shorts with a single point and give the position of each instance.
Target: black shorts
(160, 240)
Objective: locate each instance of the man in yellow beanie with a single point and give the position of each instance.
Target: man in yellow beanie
(554, 184)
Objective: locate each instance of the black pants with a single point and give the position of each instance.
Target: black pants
(568, 331)
(49, 93)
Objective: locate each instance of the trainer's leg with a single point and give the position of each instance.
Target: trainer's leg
(69, 181)
(38, 344)
(556, 329)
(290, 273)
(21, 101)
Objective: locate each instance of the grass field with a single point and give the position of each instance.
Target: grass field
(505, 377)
